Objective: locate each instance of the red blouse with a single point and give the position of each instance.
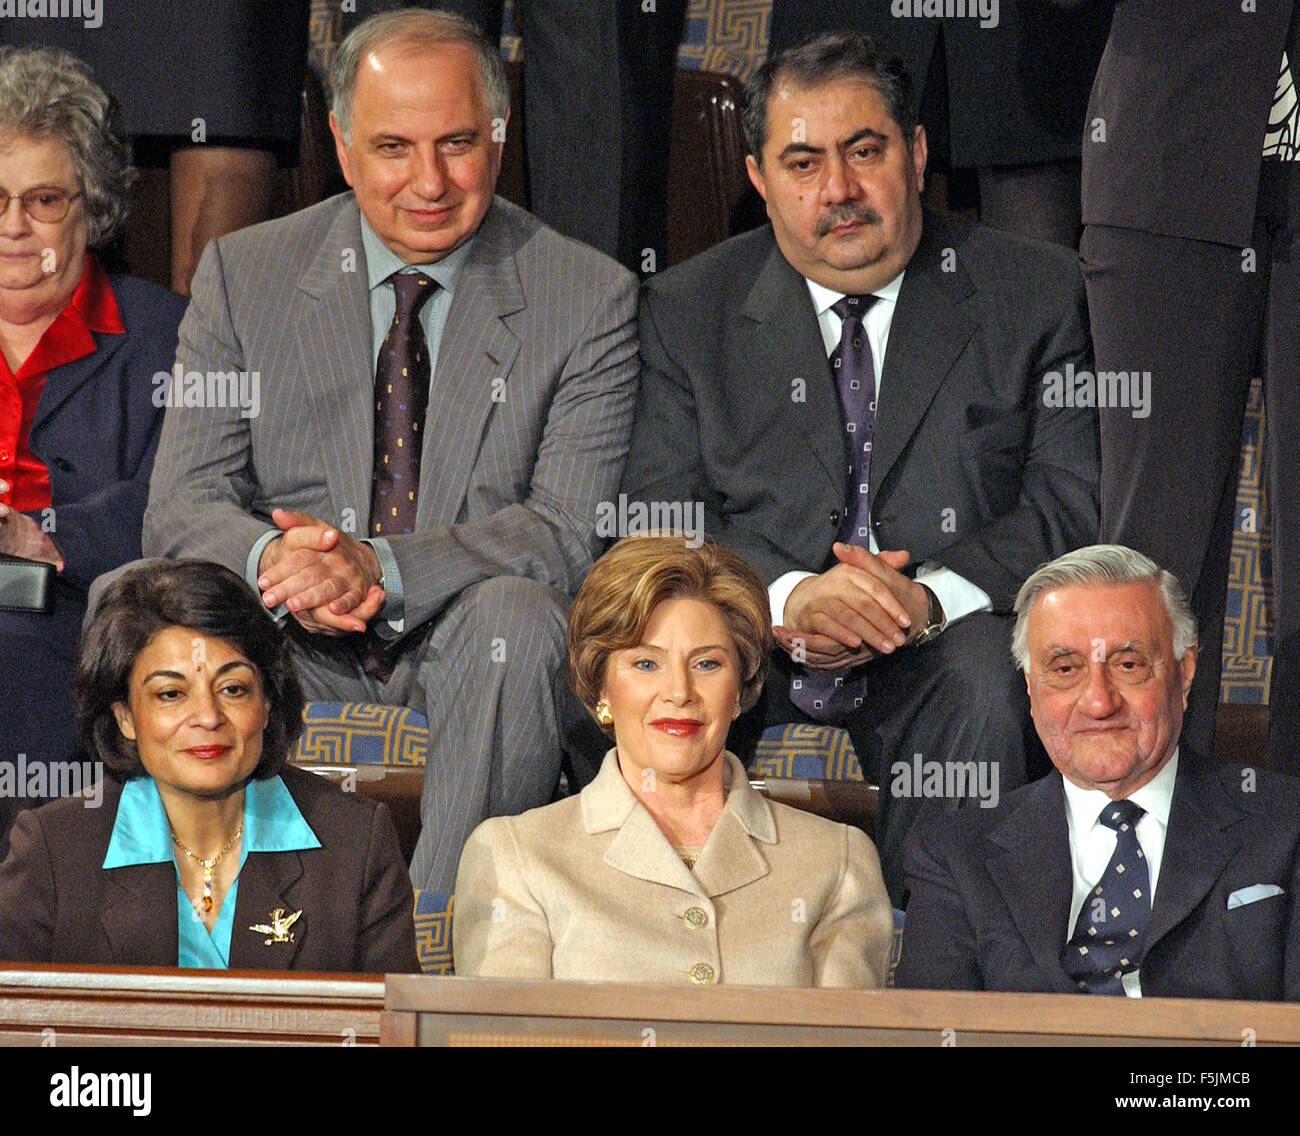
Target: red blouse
(92, 308)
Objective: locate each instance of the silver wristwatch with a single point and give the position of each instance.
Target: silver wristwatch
(935, 620)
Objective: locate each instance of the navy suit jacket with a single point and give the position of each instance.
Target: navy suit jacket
(59, 904)
(96, 429)
(991, 890)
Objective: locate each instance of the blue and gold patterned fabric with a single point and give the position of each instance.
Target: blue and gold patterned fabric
(362, 733)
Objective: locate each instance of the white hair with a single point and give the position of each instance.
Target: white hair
(1103, 564)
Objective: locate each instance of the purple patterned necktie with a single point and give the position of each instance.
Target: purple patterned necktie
(825, 695)
(401, 397)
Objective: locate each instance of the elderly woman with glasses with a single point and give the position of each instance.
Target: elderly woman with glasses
(669, 867)
(79, 420)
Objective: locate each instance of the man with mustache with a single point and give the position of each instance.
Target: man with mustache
(856, 395)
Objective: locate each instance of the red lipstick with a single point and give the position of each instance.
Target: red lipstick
(678, 727)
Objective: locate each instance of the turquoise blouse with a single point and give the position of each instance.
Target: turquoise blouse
(141, 835)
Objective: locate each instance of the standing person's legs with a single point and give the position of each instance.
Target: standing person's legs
(1188, 313)
(598, 88)
(1280, 203)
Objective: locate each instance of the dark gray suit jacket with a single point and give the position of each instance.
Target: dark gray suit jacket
(991, 889)
(737, 408)
(58, 903)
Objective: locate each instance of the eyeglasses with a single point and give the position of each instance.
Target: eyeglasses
(46, 203)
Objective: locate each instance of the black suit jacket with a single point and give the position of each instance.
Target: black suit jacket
(738, 408)
(991, 889)
(58, 904)
(1183, 93)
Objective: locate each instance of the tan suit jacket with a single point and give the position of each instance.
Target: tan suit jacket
(589, 888)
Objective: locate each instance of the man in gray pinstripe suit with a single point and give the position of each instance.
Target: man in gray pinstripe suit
(532, 348)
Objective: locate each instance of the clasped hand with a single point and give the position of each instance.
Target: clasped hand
(860, 609)
(327, 580)
(22, 536)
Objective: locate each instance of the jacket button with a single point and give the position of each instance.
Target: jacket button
(701, 974)
(835, 518)
(696, 917)
(63, 465)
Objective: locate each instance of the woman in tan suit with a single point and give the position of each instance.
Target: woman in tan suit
(669, 867)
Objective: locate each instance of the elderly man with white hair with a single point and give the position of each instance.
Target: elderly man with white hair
(1138, 867)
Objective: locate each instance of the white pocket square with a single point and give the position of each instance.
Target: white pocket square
(1252, 894)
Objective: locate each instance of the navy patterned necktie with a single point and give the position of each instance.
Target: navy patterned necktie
(825, 695)
(401, 398)
(1108, 937)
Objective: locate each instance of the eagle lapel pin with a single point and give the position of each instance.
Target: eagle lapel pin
(278, 929)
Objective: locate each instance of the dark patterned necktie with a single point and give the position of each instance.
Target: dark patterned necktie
(1108, 937)
(401, 397)
(826, 695)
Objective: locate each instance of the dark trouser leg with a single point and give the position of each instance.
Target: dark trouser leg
(957, 701)
(1040, 200)
(1280, 204)
(1186, 312)
(598, 87)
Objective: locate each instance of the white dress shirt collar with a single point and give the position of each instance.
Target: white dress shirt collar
(1155, 797)
(824, 298)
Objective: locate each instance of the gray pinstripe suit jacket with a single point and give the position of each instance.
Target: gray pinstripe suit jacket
(512, 471)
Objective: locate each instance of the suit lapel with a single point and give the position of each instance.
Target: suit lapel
(784, 343)
(639, 849)
(333, 341)
(927, 334)
(139, 914)
(475, 358)
(731, 859)
(1199, 845)
(1029, 863)
(268, 881)
(63, 382)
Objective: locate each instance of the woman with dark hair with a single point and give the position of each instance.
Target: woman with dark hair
(201, 848)
(669, 867)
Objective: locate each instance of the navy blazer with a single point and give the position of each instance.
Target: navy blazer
(991, 890)
(96, 429)
(59, 904)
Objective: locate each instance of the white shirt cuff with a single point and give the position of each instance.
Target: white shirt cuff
(778, 591)
(956, 595)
